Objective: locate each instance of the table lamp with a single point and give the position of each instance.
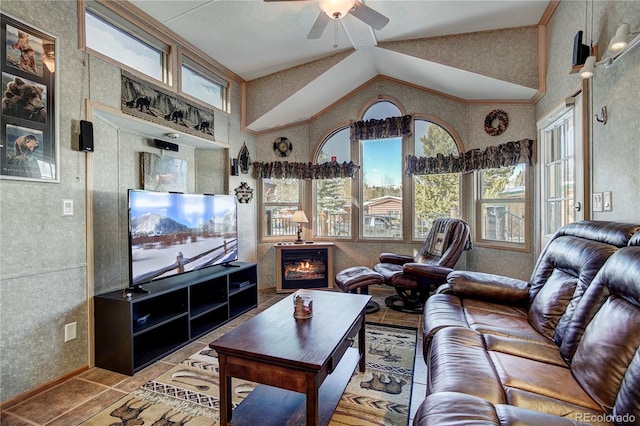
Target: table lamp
(299, 217)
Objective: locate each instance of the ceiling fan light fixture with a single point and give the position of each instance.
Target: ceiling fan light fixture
(336, 9)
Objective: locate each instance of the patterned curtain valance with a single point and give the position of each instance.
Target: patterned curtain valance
(291, 170)
(391, 127)
(504, 155)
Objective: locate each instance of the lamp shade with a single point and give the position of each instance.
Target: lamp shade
(299, 217)
(621, 39)
(587, 70)
(336, 8)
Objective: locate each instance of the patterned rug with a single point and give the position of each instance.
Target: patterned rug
(188, 393)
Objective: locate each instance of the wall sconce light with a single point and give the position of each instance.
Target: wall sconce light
(620, 45)
(587, 69)
(590, 64)
(621, 40)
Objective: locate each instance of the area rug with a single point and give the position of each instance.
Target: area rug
(188, 393)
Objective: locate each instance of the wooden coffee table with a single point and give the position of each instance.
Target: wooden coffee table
(311, 357)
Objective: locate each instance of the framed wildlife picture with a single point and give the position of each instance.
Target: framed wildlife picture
(163, 173)
(28, 144)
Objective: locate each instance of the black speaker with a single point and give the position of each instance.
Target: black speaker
(235, 168)
(165, 145)
(580, 51)
(85, 139)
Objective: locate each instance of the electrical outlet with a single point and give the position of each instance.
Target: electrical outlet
(70, 331)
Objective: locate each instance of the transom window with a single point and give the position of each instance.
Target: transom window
(120, 39)
(202, 85)
(113, 42)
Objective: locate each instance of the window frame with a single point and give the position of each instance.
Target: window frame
(462, 203)
(263, 205)
(114, 18)
(361, 214)
(207, 72)
(314, 188)
(408, 190)
(129, 20)
(479, 201)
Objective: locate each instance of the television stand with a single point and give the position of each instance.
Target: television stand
(137, 289)
(230, 265)
(147, 324)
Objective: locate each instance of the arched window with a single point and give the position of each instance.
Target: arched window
(372, 207)
(332, 209)
(437, 195)
(381, 179)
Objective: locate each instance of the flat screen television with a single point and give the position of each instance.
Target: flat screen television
(174, 233)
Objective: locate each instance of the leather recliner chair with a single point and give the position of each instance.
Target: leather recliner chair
(415, 277)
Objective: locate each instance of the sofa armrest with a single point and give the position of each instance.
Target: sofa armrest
(482, 286)
(431, 272)
(397, 259)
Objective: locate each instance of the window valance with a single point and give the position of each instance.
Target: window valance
(503, 155)
(292, 170)
(391, 127)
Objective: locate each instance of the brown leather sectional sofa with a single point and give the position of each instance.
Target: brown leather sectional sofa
(560, 349)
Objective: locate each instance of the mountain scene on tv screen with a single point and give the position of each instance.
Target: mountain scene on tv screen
(161, 246)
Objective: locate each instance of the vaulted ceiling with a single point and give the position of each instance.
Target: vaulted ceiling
(254, 38)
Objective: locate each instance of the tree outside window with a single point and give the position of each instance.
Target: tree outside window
(436, 195)
(332, 214)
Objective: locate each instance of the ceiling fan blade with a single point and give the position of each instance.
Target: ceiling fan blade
(368, 15)
(318, 26)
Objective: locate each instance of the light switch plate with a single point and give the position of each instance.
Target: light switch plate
(606, 201)
(67, 207)
(597, 201)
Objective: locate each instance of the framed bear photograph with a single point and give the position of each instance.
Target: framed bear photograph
(28, 144)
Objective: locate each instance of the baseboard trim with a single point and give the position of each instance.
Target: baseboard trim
(37, 390)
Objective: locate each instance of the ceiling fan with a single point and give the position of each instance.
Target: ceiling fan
(337, 9)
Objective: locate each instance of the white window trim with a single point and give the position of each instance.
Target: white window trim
(477, 216)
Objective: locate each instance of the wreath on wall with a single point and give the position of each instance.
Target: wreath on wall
(503, 122)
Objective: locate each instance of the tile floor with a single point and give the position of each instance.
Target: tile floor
(81, 397)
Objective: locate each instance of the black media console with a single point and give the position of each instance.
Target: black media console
(133, 332)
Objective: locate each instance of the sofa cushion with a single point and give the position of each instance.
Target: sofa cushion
(545, 352)
(628, 400)
(538, 378)
(551, 302)
(612, 338)
(607, 347)
(454, 409)
(459, 362)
